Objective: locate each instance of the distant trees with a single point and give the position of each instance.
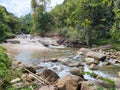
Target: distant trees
(8, 24)
(25, 24)
(39, 8)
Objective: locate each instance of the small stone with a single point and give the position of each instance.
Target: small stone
(105, 63)
(89, 60)
(19, 85)
(53, 60)
(93, 67)
(15, 80)
(76, 71)
(48, 87)
(75, 64)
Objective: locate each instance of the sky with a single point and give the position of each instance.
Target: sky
(22, 7)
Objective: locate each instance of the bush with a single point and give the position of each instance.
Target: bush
(5, 64)
(72, 34)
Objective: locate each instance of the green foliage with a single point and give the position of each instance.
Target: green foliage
(79, 20)
(93, 17)
(102, 41)
(45, 22)
(116, 46)
(115, 31)
(25, 24)
(89, 73)
(40, 19)
(8, 24)
(100, 88)
(107, 80)
(5, 64)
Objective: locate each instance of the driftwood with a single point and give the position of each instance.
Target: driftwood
(38, 78)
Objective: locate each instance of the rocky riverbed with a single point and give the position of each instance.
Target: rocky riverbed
(55, 67)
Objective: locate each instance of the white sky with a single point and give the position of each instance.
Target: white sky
(22, 7)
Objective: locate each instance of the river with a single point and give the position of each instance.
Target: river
(32, 51)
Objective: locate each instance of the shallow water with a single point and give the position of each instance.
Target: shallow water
(33, 57)
(38, 58)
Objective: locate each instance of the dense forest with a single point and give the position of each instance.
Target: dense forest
(82, 21)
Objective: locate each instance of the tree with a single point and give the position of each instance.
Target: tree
(115, 32)
(38, 7)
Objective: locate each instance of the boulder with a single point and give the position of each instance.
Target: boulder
(88, 85)
(89, 60)
(50, 75)
(75, 64)
(84, 51)
(93, 67)
(77, 71)
(70, 62)
(96, 55)
(64, 61)
(53, 60)
(77, 78)
(67, 83)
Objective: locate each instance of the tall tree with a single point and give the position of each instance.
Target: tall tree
(39, 7)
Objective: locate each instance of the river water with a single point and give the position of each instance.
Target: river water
(37, 57)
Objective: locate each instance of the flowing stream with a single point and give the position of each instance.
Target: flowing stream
(37, 57)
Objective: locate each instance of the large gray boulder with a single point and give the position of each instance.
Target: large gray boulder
(96, 55)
